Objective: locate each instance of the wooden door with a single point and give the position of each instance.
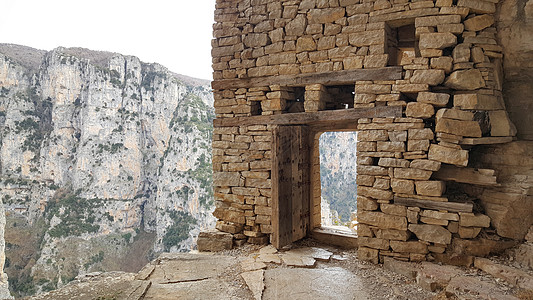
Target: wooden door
(290, 184)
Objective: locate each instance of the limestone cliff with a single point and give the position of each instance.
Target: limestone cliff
(338, 162)
(104, 161)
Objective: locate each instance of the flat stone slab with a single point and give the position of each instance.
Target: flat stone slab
(182, 267)
(314, 252)
(255, 282)
(294, 260)
(305, 284)
(202, 289)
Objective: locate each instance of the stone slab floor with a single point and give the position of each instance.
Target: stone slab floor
(307, 271)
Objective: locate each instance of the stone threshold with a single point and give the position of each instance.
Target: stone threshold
(332, 236)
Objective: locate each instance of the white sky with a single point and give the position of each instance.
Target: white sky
(174, 33)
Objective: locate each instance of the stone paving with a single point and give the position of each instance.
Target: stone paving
(306, 272)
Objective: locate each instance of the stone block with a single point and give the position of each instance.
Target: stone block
(406, 269)
(368, 254)
(366, 180)
(372, 135)
(374, 193)
(478, 6)
(372, 170)
(419, 110)
(382, 220)
(477, 102)
(428, 220)
(391, 209)
(409, 247)
(226, 178)
(474, 220)
(468, 232)
(402, 186)
(437, 40)
(445, 63)
(367, 38)
(440, 215)
(500, 124)
(478, 23)
(393, 162)
(425, 164)
(435, 99)
(421, 134)
(305, 43)
(458, 127)
(455, 114)
(375, 61)
(325, 15)
(431, 233)
(374, 243)
(392, 234)
(365, 203)
(413, 216)
(418, 145)
(391, 146)
(431, 77)
(448, 155)
(214, 240)
(430, 188)
(470, 79)
(409, 173)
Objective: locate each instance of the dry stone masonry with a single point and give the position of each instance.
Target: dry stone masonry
(428, 77)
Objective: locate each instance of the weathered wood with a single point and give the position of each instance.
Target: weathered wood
(484, 177)
(327, 78)
(449, 206)
(310, 118)
(290, 184)
(486, 140)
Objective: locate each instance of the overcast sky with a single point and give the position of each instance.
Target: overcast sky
(174, 33)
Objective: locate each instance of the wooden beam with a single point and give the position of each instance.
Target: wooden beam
(327, 78)
(484, 177)
(449, 206)
(312, 118)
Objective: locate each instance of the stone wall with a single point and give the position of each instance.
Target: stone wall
(515, 29)
(413, 170)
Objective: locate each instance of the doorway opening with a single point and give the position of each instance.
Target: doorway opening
(338, 188)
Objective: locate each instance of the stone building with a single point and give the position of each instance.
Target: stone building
(437, 91)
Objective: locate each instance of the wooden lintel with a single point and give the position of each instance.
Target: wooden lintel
(483, 177)
(437, 205)
(314, 118)
(326, 78)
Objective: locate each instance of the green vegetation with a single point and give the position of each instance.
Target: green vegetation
(204, 174)
(76, 219)
(179, 230)
(94, 259)
(114, 148)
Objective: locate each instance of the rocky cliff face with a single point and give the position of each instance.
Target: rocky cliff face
(104, 160)
(338, 169)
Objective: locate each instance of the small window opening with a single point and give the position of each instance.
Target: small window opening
(296, 103)
(255, 108)
(341, 97)
(338, 163)
(402, 44)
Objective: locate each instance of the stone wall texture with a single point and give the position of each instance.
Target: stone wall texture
(427, 184)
